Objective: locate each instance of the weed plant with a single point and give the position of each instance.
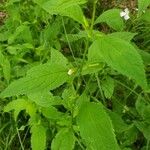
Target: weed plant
(74, 75)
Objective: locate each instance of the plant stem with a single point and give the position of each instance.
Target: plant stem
(100, 88)
(93, 15)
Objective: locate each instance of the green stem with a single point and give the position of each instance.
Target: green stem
(93, 15)
(100, 88)
(147, 145)
(20, 141)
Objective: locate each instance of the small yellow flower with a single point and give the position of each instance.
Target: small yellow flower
(70, 72)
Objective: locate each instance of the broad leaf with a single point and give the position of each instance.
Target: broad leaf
(112, 18)
(69, 8)
(144, 128)
(118, 123)
(52, 113)
(38, 137)
(58, 58)
(121, 56)
(142, 5)
(43, 77)
(146, 16)
(108, 87)
(19, 105)
(96, 128)
(42, 98)
(5, 64)
(64, 140)
(127, 36)
(145, 56)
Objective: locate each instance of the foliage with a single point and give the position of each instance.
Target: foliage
(74, 79)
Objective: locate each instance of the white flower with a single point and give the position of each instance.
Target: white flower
(70, 72)
(125, 14)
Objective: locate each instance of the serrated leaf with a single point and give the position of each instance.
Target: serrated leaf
(118, 123)
(69, 8)
(58, 58)
(146, 16)
(19, 105)
(52, 113)
(127, 36)
(90, 68)
(42, 98)
(144, 128)
(145, 56)
(112, 18)
(64, 140)
(96, 128)
(142, 5)
(143, 109)
(4, 62)
(121, 56)
(22, 32)
(108, 87)
(43, 77)
(38, 137)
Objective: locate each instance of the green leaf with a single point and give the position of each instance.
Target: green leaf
(145, 56)
(38, 137)
(43, 77)
(127, 36)
(112, 18)
(58, 58)
(143, 109)
(144, 128)
(90, 68)
(146, 16)
(142, 5)
(22, 32)
(118, 123)
(121, 56)
(52, 113)
(64, 140)
(96, 128)
(42, 98)
(4, 62)
(69, 8)
(108, 87)
(19, 105)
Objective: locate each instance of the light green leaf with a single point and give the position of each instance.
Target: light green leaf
(43, 77)
(146, 16)
(145, 56)
(38, 137)
(118, 123)
(64, 140)
(52, 113)
(19, 105)
(108, 87)
(144, 128)
(90, 68)
(96, 128)
(58, 58)
(69, 8)
(127, 36)
(42, 98)
(21, 33)
(142, 5)
(5, 64)
(121, 56)
(112, 18)
(143, 109)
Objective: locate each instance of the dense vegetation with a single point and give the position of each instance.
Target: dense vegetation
(74, 75)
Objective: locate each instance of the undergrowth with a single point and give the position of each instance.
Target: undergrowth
(74, 75)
